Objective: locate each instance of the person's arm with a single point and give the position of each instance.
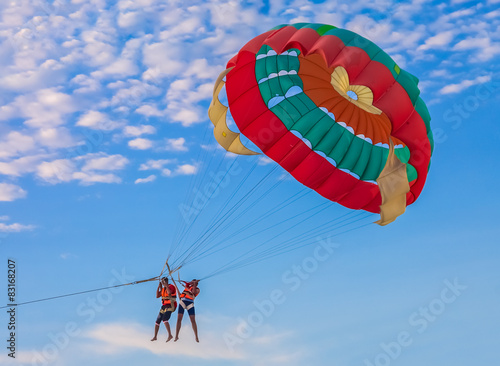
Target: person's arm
(195, 290)
(158, 290)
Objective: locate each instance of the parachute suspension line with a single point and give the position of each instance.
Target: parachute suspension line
(79, 293)
(279, 207)
(285, 247)
(260, 258)
(218, 221)
(285, 220)
(192, 184)
(197, 215)
(164, 266)
(242, 256)
(213, 229)
(185, 226)
(284, 244)
(272, 254)
(320, 229)
(214, 218)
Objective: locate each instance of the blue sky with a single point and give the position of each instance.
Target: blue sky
(104, 135)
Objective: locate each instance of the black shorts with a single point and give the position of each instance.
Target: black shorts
(186, 305)
(165, 313)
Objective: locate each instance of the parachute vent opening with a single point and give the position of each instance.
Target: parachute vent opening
(352, 95)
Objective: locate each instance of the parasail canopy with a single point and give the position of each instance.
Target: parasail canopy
(334, 110)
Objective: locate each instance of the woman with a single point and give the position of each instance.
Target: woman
(186, 303)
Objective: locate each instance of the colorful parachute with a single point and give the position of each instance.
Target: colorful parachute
(332, 109)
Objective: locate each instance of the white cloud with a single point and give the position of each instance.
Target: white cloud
(45, 108)
(55, 137)
(183, 97)
(97, 50)
(202, 69)
(135, 131)
(140, 144)
(82, 169)
(148, 179)
(264, 160)
(166, 172)
(112, 162)
(267, 345)
(438, 41)
(15, 228)
(493, 14)
(186, 117)
(462, 13)
(156, 164)
(161, 59)
(119, 68)
(10, 192)
(21, 166)
(181, 169)
(456, 88)
(56, 171)
(149, 110)
(486, 49)
(184, 29)
(16, 143)
(129, 19)
(98, 121)
(186, 169)
(116, 338)
(176, 144)
(88, 178)
(25, 81)
(131, 93)
(4, 218)
(87, 84)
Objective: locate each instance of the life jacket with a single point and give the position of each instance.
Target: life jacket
(188, 294)
(168, 300)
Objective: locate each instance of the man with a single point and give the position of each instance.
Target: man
(186, 302)
(168, 295)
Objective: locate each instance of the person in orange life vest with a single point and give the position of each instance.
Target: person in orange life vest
(168, 295)
(186, 302)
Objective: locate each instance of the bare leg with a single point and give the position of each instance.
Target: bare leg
(195, 327)
(157, 327)
(168, 330)
(178, 326)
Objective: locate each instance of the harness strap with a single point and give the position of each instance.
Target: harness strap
(190, 306)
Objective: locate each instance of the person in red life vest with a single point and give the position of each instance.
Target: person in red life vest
(168, 295)
(186, 303)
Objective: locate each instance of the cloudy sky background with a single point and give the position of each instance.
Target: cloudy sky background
(103, 128)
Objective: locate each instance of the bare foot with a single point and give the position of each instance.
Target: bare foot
(197, 340)
(153, 339)
(169, 338)
(176, 339)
